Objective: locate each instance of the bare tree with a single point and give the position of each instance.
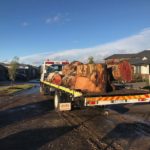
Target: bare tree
(90, 60)
(14, 64)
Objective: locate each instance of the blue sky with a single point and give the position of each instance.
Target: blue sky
(34, 27)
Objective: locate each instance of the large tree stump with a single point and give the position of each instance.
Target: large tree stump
(122, 71)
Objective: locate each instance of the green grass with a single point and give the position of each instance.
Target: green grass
(9, 90)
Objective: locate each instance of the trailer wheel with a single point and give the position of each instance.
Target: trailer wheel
(56, 100)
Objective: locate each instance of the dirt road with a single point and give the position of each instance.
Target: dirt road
(28, 121)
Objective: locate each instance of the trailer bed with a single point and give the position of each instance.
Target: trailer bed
(98, 99)
(122, 92)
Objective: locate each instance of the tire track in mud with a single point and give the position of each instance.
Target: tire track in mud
(122, 122)
(129, 123)
(87, 132)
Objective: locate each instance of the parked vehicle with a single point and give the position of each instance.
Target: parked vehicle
(77, 84)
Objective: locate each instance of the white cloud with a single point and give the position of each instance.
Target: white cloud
(53, 19)
(58, 18)
(25, 24)
(135, 43)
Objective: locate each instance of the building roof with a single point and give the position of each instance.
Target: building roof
(142, 58)
(135, 59)
(3, 66)
(138, 61)
(145, 53)
(21, 65)
(119, 56)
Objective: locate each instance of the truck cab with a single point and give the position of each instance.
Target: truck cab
(49, 67)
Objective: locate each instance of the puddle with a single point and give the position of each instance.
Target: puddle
(34, 90)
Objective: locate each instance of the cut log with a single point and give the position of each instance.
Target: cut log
(71, 68)
(86, 85)
(126, 71)
(54, 78)
(86, 77)
(122, 71)
(69, 81)
(95, 76)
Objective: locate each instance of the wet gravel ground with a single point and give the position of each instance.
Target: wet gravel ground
(28, 121)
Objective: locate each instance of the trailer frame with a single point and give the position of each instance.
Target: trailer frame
(70, 96)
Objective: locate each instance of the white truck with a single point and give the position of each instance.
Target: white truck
(65, 98)
(49, 67)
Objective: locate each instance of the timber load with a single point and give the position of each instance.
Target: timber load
(91, 78)
(88, 78)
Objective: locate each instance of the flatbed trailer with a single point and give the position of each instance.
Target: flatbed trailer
(67, 98)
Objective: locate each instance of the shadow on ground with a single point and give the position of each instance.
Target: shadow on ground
(27, 111)
(119, 108)
(33, 139)
(138, 104)
(127, 131)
